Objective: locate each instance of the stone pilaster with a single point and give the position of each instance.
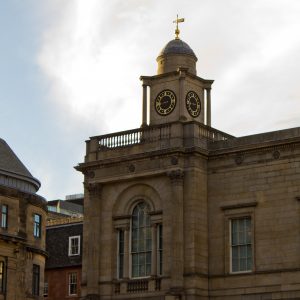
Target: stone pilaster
(177, 243)
(154, 250)
(126, 251)
(92, 251)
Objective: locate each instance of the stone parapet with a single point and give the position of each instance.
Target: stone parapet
(152, 138)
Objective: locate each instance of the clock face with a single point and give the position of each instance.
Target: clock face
(193, 104)
(165, 102)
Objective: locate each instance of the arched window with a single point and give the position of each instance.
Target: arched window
(141, 241)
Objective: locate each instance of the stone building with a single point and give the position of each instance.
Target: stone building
(22, 231)
(177, 209)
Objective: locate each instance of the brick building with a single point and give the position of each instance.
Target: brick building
(63, 267)
(177, 209)
(23, 215)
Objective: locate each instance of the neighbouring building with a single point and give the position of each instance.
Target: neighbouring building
(63, 266)
(23, 216)
(71, 206)
(177, 209)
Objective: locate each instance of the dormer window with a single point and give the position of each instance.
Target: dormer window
(74, 245)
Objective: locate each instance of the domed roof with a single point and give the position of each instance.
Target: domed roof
(13, 173)
(177, 46)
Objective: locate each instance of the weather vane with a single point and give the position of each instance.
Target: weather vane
(177, 31)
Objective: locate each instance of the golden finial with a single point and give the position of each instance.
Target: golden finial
(177, 31)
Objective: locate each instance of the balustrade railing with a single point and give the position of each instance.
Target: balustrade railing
(133, 137)
(152, 134)
(137, 286)
(213, 134)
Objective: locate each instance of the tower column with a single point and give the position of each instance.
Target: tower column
(182, 75)
(144, 122)
(208, 107)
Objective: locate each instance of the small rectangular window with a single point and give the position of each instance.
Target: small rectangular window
(2, 277)
(46, 288)
(37, 219)
(74, 245)
(241, 245)
(120, 254)
(160, 249)
(35, 280)
(4, 212)
(72, 284)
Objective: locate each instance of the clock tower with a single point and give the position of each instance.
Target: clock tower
(146, 191)
(176, 92)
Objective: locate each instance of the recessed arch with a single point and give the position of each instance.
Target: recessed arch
(132, 195)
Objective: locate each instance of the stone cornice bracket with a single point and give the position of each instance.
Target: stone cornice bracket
(176, 176)
(94, 189)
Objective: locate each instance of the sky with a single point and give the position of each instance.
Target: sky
(69, 69)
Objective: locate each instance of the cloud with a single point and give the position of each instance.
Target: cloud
(92, 62)
(92, 53)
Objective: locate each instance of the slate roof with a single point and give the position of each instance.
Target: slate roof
(11, 166)
(10, 162)
(177, 46)
(57, 243)
(67, 205)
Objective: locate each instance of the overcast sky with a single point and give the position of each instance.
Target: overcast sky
(69, 69)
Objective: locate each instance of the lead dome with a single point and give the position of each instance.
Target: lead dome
(174, 55)
(177, 46)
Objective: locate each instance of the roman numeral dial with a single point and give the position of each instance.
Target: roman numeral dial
(193, 104)
(165, 102)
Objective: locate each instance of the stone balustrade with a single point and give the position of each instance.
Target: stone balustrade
(158, 133)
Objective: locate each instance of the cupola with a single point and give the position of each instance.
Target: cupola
(176, 54)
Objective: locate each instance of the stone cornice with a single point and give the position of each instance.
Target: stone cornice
(37, 250)
(32, 199)
(22, 241)
(11, 238)
(175, 73)
(94, 165)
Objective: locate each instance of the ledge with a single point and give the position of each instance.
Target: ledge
(239, 205)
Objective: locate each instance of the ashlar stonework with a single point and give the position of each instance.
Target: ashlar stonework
(179, 210)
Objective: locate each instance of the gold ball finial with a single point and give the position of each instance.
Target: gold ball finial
(177, 31)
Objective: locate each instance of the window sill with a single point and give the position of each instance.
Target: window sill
(241, 272)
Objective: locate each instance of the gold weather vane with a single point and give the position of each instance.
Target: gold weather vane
(177, 31)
